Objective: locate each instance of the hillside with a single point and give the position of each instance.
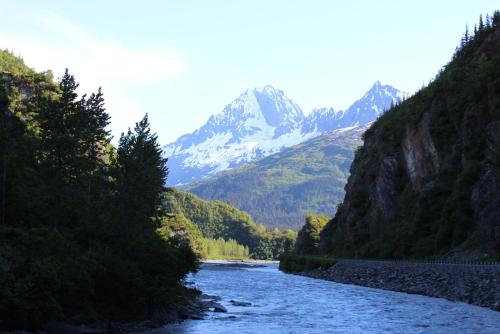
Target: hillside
(281, 189)
(426, 182)
(216, 219)
(12, 64)
(260, 122)
(78, 232)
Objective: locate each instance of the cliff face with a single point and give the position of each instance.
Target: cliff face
(426, 182)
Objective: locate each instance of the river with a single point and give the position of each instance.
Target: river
(284, 303)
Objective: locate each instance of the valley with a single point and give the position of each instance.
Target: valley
(281, 189)
(382, 217)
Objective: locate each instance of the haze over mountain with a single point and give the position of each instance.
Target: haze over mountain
(260, 122)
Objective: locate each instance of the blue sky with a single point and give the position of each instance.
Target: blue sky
(182, 61)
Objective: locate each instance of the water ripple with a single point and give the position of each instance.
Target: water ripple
(284, 303)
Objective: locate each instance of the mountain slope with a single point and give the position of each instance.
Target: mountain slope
(281, 189)
(427, 179)
(216, 219)
(12, 64)
(260, 122)
(365, 110)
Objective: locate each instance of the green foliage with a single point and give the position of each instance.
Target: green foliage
(222, 249)
(81, 230)
(177, 228)
(218, 220)
(308, 238)
(300, 263)
(275, 243)
(140, 173)
(279, 190)
(12, 64)
(70, 133)
(459, 109)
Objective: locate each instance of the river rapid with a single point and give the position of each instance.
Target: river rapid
(284, 303)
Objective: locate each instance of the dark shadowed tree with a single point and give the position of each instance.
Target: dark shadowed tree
(140, 172)
(73, 137)
(58, 144)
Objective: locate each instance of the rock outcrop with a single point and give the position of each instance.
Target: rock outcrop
(426, 182)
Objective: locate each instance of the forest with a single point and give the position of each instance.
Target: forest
(79, 217)
(219, 220)
(86, 226)
(424, 185)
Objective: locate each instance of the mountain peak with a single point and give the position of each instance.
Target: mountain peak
(262, 121)
(379, 88)
(271, 90)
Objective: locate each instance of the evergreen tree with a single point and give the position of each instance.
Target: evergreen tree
(4, 137)
(496, 18)
(465, 38)
(18, 175)
(141, 173)
(94, 138)
(57, 145)
(73, 136)
(54, 171)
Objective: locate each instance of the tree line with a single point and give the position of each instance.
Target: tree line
(219, 220)
(78, 216)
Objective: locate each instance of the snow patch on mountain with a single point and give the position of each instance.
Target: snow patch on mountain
(260, 122)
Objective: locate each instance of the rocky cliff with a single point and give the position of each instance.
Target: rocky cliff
(426, 182)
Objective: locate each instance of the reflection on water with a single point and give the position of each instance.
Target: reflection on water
(283, 303)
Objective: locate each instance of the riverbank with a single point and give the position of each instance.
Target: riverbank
(194, 308)
(245, 261)
(262, 299)
(472, 284)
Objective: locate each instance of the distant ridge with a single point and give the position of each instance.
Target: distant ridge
(260, 122)
(281, 189)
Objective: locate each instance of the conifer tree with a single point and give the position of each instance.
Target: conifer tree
(140, 172)
(496, 18)
(58, 147)
(92, 121)
(72, 137)
(4, 137)
(481, 23)
(18, 175)
(465, 38)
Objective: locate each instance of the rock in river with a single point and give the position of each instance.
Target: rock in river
(240, 303)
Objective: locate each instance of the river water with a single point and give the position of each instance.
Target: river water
(283, 303)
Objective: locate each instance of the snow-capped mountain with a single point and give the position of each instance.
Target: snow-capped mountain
(365, 110)
(260, 122)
